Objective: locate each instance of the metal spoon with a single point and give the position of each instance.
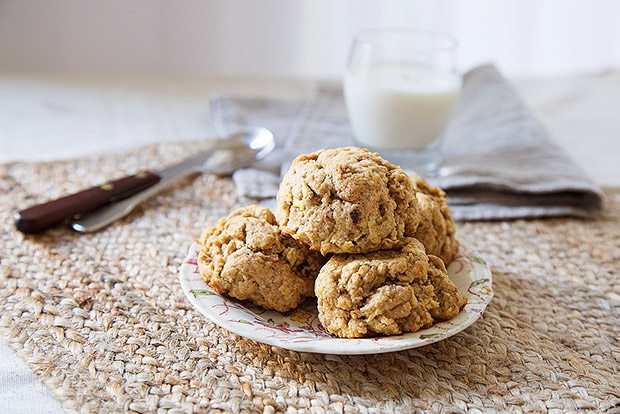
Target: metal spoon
(237, 151)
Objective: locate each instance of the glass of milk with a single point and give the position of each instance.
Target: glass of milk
(400, 86)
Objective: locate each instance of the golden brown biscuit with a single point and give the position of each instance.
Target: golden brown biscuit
(245, 256)
(378, 293)
(385, 292)
(346, 200)
(436, 228)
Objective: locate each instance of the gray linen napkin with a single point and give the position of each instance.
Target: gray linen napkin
(499, 162)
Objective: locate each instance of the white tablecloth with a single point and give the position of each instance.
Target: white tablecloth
(47, 118)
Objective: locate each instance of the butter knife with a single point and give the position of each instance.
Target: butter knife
(92, 209)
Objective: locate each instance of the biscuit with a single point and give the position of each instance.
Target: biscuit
(445, 293)
(346, 200)
(246, 257)
(380, 293)
(436, 228)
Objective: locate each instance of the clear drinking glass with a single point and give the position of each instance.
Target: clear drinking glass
(400, 86)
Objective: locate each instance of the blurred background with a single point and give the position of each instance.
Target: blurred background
(101, 76)
(306, 38)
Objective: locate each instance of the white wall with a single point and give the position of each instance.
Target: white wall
(296, 38)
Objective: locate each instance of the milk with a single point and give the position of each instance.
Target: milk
(395, 105)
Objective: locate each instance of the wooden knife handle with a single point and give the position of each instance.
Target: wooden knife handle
(43, 216)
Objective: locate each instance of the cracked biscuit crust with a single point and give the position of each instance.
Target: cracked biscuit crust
(246, 257)
(385, 292)
(379, 293)
(436, 229)
(447, 295)
(346, 200)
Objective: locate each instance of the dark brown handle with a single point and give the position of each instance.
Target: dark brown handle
(43, 216)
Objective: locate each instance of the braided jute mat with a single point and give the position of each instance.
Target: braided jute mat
(101, 319)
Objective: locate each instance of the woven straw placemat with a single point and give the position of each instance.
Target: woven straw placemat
(101, 319)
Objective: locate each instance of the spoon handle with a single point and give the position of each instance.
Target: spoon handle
(37, 218)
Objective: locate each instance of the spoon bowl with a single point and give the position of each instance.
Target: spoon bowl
(239, 150)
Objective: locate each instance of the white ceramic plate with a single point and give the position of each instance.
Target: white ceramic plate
(300, 330)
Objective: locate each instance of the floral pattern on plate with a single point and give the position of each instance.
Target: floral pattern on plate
(300, 329)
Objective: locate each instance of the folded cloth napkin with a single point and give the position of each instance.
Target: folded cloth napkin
(499, 162)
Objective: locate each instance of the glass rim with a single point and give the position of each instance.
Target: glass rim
(371, 35)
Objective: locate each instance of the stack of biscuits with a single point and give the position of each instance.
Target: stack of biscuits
(370, 242)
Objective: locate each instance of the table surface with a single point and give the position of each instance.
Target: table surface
(58, 117)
